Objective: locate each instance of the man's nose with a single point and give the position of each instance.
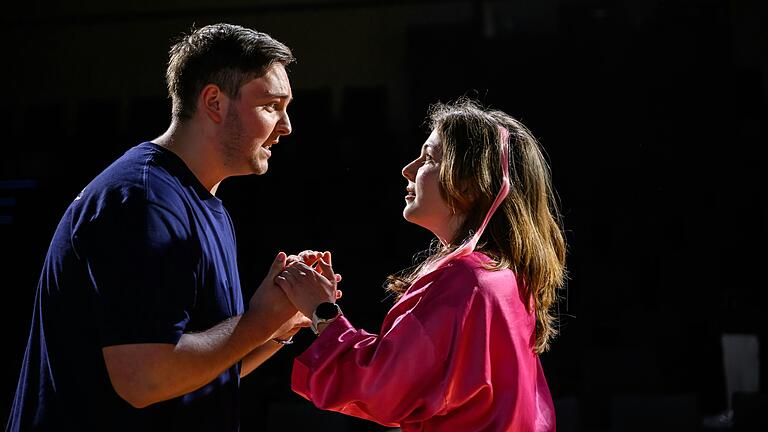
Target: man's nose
(284, 125)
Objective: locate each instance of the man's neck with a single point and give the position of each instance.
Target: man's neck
(198, 151)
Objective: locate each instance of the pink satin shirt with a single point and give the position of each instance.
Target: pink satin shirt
(454, 354)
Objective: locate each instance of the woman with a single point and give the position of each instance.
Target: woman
(459, 349)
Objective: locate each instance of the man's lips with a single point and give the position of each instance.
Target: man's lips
(267, 147)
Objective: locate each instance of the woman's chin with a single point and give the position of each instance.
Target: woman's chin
(408, 213)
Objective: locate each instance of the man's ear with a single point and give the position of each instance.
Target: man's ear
(213, 103)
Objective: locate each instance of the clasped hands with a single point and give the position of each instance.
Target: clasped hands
(307, 280)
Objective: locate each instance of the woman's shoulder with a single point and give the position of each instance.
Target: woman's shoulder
(476, 270)
(496, 288)
(476, 263)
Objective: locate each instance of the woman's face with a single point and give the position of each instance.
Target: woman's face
(424, 205)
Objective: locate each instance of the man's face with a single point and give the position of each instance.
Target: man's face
(255, 121)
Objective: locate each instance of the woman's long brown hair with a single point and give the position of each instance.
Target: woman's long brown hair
(525, 234)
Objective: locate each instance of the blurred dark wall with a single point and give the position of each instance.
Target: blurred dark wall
(652, 114)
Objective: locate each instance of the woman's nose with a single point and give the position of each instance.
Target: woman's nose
(408, 171)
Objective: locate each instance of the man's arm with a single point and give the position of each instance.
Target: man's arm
(258, 356)
(262, 353)
(144, 374)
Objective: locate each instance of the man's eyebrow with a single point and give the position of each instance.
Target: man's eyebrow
(279, 95)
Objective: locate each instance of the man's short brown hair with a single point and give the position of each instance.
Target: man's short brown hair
(223, 54)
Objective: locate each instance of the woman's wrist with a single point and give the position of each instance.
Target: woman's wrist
(322, 326)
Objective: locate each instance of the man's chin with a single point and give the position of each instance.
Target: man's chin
(259, 167)
(254, 168)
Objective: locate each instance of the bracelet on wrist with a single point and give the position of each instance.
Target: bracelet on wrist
(284, 341)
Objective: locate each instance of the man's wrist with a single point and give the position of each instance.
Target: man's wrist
(284, 341)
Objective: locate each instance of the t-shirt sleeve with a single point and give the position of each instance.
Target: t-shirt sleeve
(142, 272)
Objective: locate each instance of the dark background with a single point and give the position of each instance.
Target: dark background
(652, 113)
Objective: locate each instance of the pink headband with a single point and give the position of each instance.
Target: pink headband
(469, 247)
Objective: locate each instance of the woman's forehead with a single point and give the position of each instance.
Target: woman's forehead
(433, 142)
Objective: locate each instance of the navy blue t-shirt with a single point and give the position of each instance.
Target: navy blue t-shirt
(144, 254)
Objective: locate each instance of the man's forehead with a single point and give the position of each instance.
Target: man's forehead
(273, 84)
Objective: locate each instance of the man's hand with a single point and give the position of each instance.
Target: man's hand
(307, 287)
(269, 297)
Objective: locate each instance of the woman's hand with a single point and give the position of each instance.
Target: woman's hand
(307, 286)
(310, 258)
(292, 326)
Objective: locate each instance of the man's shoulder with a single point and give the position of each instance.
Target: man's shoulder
(125, 173)
(134, 180)
(144, 170)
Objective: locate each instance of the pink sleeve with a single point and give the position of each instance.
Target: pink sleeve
(387, 379)
(425, 363)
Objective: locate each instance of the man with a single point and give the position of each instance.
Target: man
(139, 322)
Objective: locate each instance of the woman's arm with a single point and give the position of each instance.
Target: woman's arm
(426, 361)
(387, 379)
